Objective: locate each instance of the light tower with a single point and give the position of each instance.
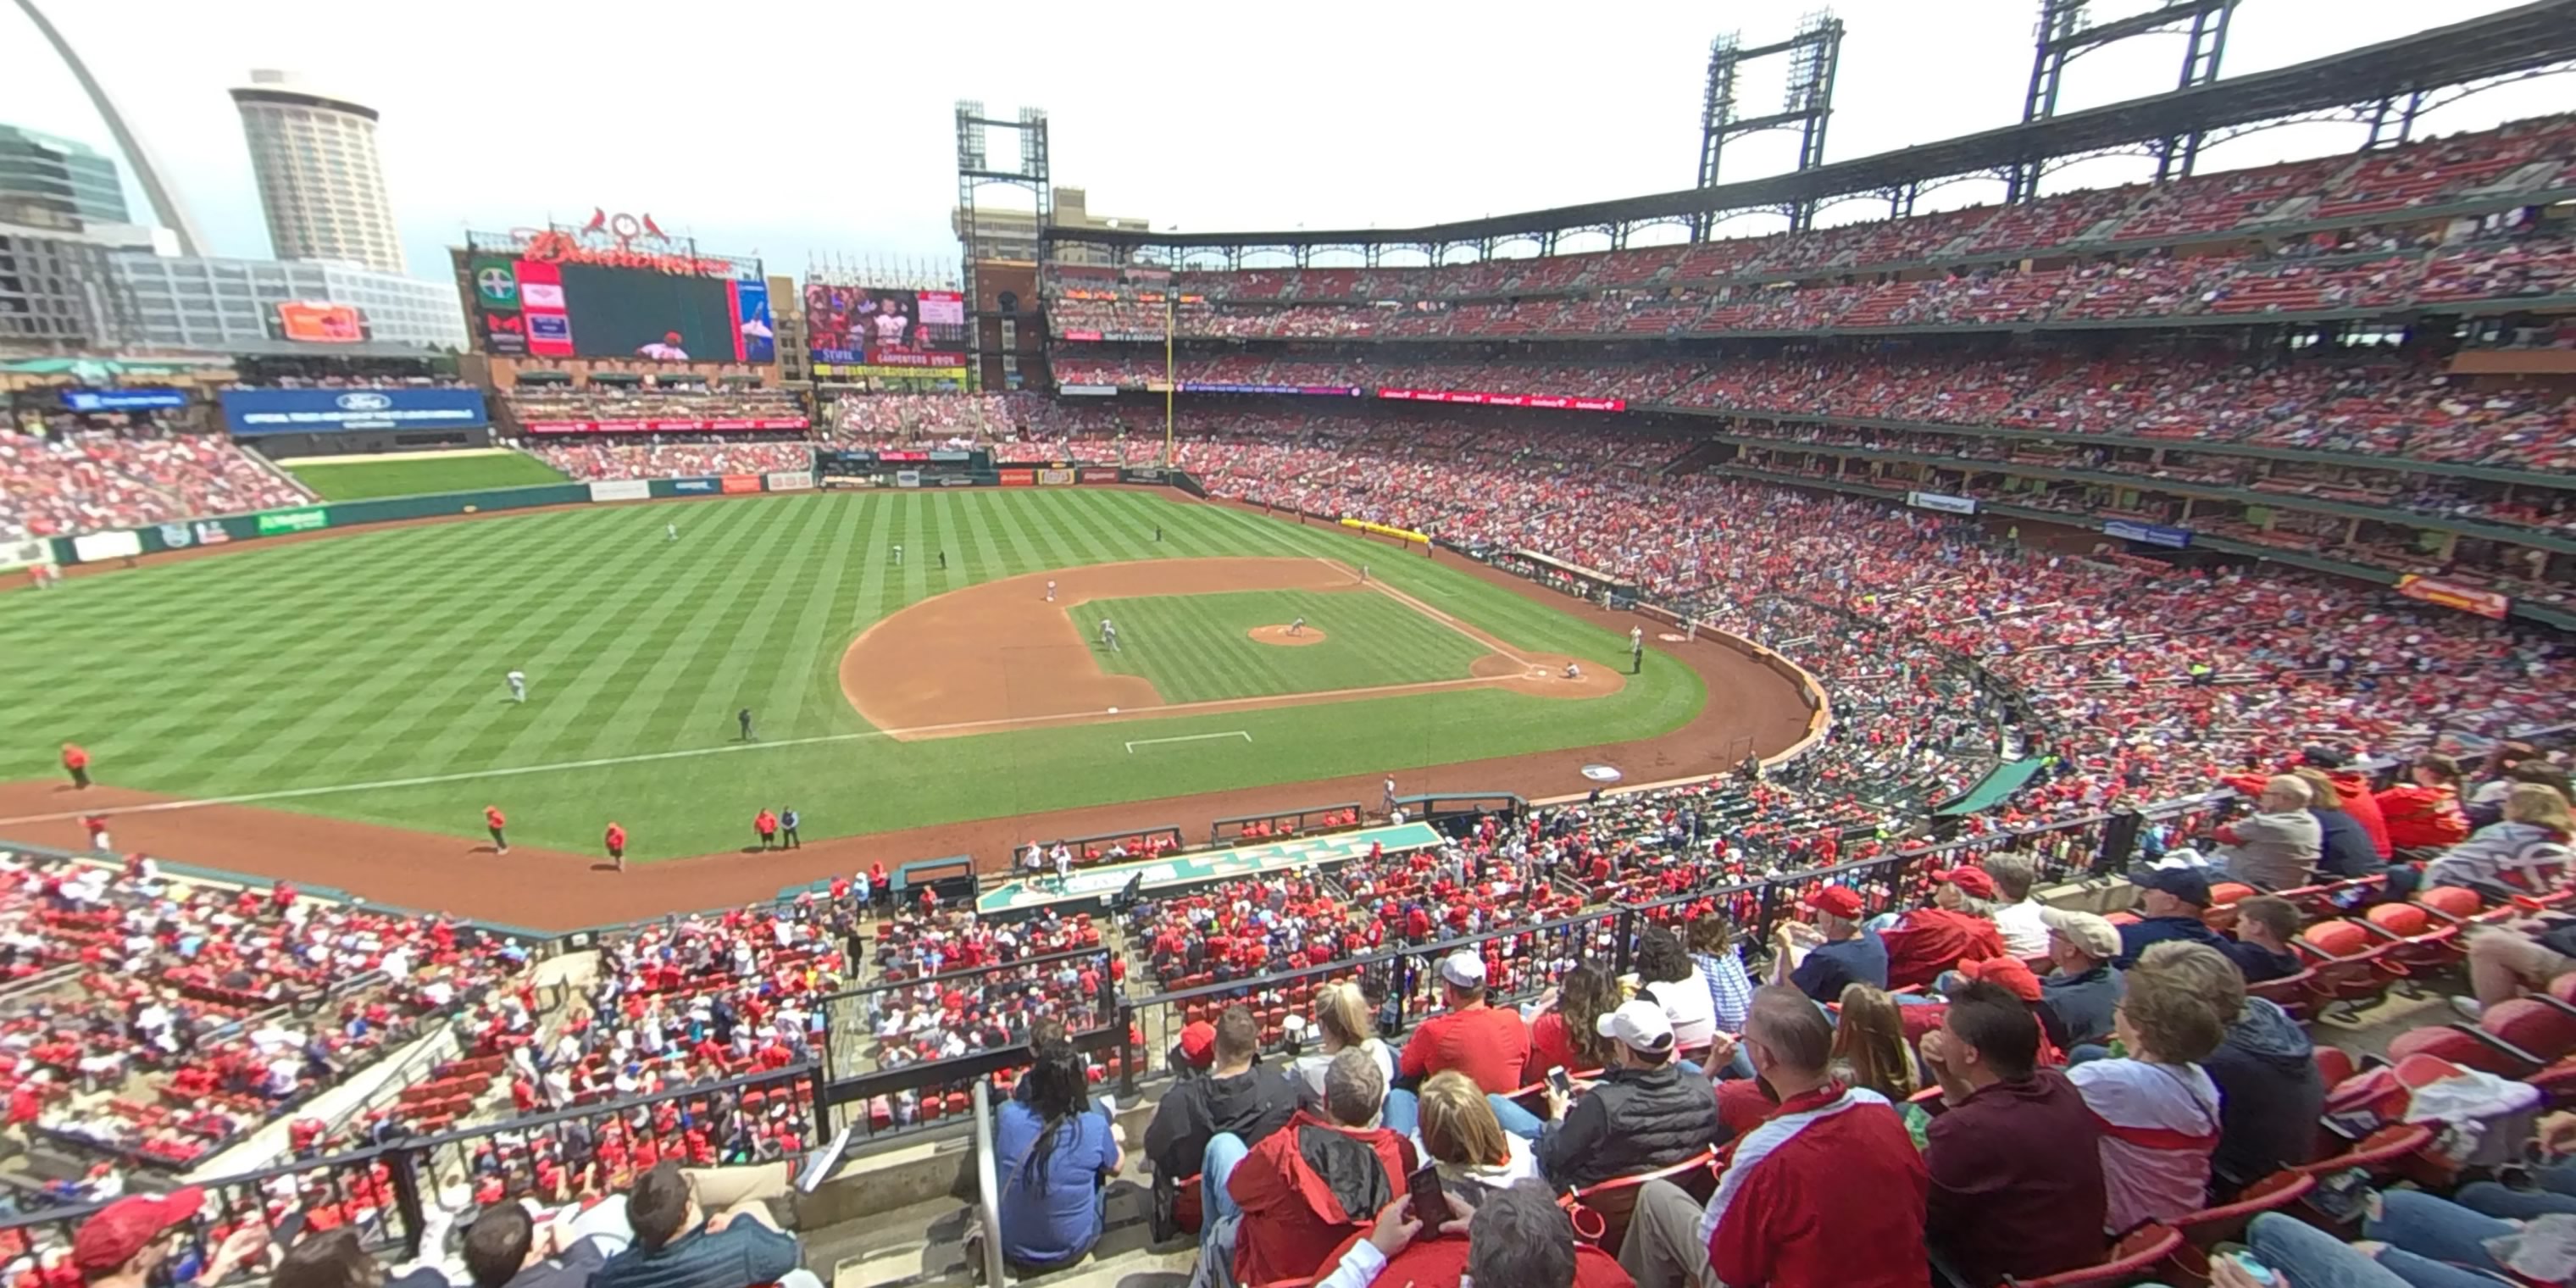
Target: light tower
(1807, 104)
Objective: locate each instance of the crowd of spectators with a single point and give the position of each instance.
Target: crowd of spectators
(536, 405)
(65, 484)
(671, 456)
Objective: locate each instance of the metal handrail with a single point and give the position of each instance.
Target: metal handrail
(988, 1188)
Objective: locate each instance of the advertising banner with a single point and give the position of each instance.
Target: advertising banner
(621, 490)
(123, 399)
(311, 519)
(693, 485)
(736, 484)
(496, 302)
(1088, 391)
(1019, 478)
(2153, 534)
(319, 322)
(1476, 398)
(20, 554)
(1082, 335)
(952, 456)
(907, 478)
(850, 370)
(955, 480)
(1938, 501)
(322, 411)
(1328, 391)
(1054, 478)
(2451, 594)
(797, 423)
(541, 307)
(92, 547)
(791, 480)
(1099, 475)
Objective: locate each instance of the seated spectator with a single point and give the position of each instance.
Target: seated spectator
(2530, 839)
(1959, 926)
(2265, 926)
(2158, 1109)
(1058, 1150)
(1306, 1187)
(335, 1258)
(2015, 1167)
(2171, 901)
(1829, 1190)
(127, 1244)
(2017, 915)
(1833, 954)
(505, 1248)
(1566, 1035)
(2507, 958)
(1488, 1044)
(1870, 1053)
(1516, 1238)
(1207, 1121)
(1342, 1024)
(2277, 846)
(2423, 812)
(1644, 1113)
(1721, 962)
(2343, 848)
(1462, 1135)
(1666, 976)
(679, 1243)
(2083, 989)
(2269, 1093)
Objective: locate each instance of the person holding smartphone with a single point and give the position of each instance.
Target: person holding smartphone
(1643, 1114)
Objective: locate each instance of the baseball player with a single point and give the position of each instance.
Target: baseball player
(1573, 672)
(1063, 865)
(670, 532)
(1297, 627)
(1050, 590)
(616, 842)
(76, 763)
(898, 556)
(1363, 572)
(743, 718)
(1108, 635)
(787, 837)
(1636, 650)
(943, 561)
(493, 822)
(96, 825)
(518, 681)
(1390, 794)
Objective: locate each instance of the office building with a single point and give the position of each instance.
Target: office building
(314, 156)
(231, 305)
(57, 293)
(1012, 235)
(57, 174)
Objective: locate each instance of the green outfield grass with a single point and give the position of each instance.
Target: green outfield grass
(369, 665)
(1198, 648)
(359, 480)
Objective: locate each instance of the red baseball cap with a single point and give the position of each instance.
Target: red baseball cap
(129, 1225)
(1839, 901)
(1198, 1043)
(2011, 973)
(1972, 880)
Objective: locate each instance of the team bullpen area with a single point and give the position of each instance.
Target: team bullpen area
(341, 478)
(362, 676)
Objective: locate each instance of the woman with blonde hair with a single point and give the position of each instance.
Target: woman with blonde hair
(1459, 1132)
(1870, 1051)
(2533, 836)
(1341, 1021)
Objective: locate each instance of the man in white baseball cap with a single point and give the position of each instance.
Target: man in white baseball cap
(1486, 1043)
(1645, 1112)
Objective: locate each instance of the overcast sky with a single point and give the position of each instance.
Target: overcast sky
(799, 129)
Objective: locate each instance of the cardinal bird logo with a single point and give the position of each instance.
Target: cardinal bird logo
(654, 228)
(598, 220)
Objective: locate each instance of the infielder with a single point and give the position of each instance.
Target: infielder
(1108, 635)
(1636, 650)
(1050, 590)
(1297, 627)
(518, 681)
(898, 556)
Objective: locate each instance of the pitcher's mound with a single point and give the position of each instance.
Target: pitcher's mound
(1279, 635)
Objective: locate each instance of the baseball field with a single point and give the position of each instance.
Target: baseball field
(360, 676)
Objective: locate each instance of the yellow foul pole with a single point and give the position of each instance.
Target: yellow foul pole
(1169, 383)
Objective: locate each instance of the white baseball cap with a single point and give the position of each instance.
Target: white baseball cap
(1641, 1025)
(1463, 969)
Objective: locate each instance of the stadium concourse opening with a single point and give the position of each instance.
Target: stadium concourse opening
(1009, 654)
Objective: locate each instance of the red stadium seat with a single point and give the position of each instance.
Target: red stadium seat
(2137, 1251)
(2451, 900)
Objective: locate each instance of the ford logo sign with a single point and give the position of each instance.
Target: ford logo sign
(364, 402)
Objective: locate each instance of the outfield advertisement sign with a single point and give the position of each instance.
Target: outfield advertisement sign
(663, 426)
(1099, 475)
(324, 411)
(1019, 478)
(907, 478)
(1054, 478)
(1944, 504)
(89, 400)
(736, 484)
(204, 532)
(2153, 534)
(1476, 398)
(791, 480)
(313, 519)
(2451, 594)
(695, 485)
(621, 490)
(1088, 391)
(94, 546)
(20, 554)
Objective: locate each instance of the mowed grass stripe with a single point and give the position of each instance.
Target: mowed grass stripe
(1196, 648)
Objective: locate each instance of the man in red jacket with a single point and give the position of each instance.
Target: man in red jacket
(1959, 926)
(765, 826)
(616, 842)
(493, 822)
(76, 763)
(1306, 1187)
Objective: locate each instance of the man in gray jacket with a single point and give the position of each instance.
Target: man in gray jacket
(1645, 1112)
(2277, 846)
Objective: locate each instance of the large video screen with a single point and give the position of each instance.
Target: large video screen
(867, 326)
(541, 309)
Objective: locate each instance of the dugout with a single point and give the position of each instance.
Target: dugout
(1089, 851)
(1572, 578)
(951, 878)
(1271, 826)
(1442, 808)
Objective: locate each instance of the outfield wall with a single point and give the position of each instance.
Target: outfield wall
(189, 534)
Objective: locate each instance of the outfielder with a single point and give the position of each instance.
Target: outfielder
(898, 556)
(670, 532)
(518, 681)
(1108, 635)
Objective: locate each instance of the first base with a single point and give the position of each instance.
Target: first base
(1113, 711)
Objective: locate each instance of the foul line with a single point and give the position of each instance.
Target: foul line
(1187, 737)
(1490, 642)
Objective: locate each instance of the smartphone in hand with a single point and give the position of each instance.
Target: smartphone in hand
(1430, 1205)
(1557, 1078)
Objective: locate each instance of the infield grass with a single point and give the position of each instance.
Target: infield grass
(1198, 648)
(359, 480)
(369, 666)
